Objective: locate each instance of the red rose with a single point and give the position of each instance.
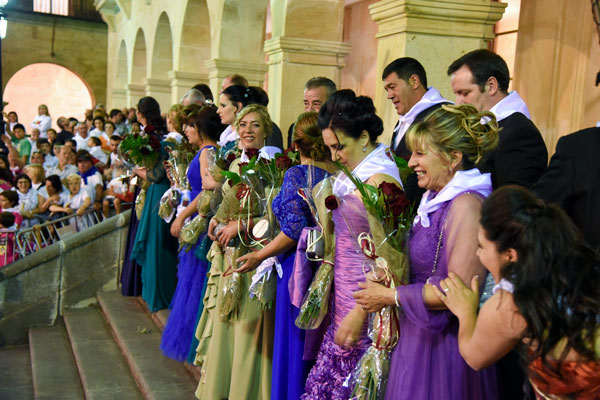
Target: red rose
(250, 153)
(231, 157)
(283, 162)
(331, 202)
(154, 142)
(149, 128)
(390, 190)
(399, 204)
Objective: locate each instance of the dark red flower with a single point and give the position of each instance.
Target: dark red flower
(331, 202)
(283, 162)
(154, 142)
(250, 153)
(231, 157)
(149, 128)
(144, 151)
(390, 190)
(399, 204)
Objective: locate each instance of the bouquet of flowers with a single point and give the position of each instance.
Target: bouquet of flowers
(271, 173)
(180, 157)
(192, 229)
(316, 301)
(390, 216)
(142, 149)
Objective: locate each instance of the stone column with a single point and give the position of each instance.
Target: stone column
(160, 89)
(118, 99)
(134, 92)
(219, 68)
(292, 62)
(435, 32)
(181, 82)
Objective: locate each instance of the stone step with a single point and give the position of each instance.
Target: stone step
(15, 374)
(160, 318)
(53, 367)
(137, 335)
(102, 368)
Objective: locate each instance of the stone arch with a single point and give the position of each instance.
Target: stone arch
(65, 92)
(289, 18)
(139, 61)
(233, 43)
(121, 70)
(194, 46)
(162, 53)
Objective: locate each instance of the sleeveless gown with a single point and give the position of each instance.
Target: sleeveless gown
(334, 363)
(426, 362)
(289, 369)
(131, 274)
(155, 250)
(191, 275)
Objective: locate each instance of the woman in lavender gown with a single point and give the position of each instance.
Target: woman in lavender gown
(426, 363)
(202, 128)
(350, 130)
(292, 212)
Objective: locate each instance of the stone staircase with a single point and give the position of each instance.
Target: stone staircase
(105, 351)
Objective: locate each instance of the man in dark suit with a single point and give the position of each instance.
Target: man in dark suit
(316, 92)
(405, 83)
(481, 78)
(572, 180)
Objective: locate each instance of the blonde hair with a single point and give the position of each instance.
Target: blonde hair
(73, 178)
(38, 171)
(176, 117)
(263, 116)
(456, 128)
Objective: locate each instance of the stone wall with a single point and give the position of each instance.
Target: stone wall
(80, 46)
(35, 290)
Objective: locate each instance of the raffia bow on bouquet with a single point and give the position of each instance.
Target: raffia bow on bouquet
(315, 304)
(390, 216)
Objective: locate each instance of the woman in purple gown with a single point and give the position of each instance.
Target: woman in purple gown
(350, 130)
(202, 128)
(292, 212)
(426, 363)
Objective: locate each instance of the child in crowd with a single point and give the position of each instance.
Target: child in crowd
(9, 202)
(6, 178)
(117, 191)
(44, 147)
(18, 145)
(51, 135)
(116, 167)
(14, 164)
(96, 151)
(79, 200)
(36, 158)
(7, 239)
(33, 138)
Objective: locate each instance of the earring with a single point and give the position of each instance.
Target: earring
(364, 149)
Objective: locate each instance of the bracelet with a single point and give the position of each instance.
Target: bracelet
(396, 298)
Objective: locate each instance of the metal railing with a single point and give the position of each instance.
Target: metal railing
(15, 244)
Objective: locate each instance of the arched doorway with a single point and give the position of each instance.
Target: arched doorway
(64, 92)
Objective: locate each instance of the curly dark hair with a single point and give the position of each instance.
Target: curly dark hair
(556, 276)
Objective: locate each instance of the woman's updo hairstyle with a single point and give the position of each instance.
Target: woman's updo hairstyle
(309, 139)
(242, 94)
(176, 117)
(350, 114)
(555, 277)
(206, 120)
(456, 128)
(263, 116)
(150, 109)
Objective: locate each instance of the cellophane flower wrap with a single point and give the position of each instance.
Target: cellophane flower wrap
(271, 173)
(180, 155)
(142, 149)
(241, 203)
(141, 199)
(390, 216)
(191, 230)
(316, 301)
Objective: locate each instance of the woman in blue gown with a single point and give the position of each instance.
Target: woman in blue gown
(154, 249)
(292, 212)
(202, 128)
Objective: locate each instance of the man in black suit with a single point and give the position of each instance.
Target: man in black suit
(405, 83)
(481, 78)
(316, 92)
(572, 180)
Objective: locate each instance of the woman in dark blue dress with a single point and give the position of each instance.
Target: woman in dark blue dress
(202, 128)
(292, 212)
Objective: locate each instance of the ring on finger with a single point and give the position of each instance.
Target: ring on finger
(447, 289)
